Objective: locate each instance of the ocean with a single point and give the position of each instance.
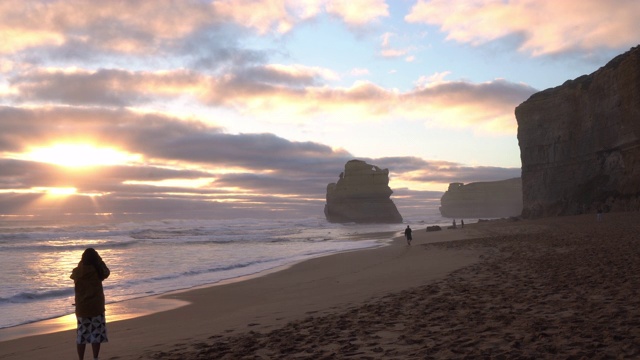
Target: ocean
(155, 257)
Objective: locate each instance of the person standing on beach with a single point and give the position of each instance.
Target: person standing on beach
(407, 234)
(462, 223)
(89, 297)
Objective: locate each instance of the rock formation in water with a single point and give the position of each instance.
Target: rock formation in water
(580, 142)
(491, 199)
(361, 195)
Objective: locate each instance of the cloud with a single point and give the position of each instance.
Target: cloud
(114, 87)
(233, 171)
(121, 26)
(487, 106)
(393, 53)
(282, 15)
(133, 34)
(443, 172)
(544, 26)
(261, 171)
(388, 51)
(159, 138)
(77, 72)
(279, 89)
(358, 12)
(359, 72)
(224, 75)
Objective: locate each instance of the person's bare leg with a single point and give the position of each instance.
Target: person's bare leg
(81, 348)
(96, 350)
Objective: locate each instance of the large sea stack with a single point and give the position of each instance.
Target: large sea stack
(361, 195)
(489, 199)
(580, 142)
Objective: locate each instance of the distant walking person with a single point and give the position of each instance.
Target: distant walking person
(407, 234)
(89, 296)
(462, 223)
(599, 214)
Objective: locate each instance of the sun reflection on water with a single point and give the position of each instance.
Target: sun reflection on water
(114, 312)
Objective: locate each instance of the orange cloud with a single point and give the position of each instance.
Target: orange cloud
(545, 26)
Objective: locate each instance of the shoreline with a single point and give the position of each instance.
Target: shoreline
(151, 304)
(240, 294)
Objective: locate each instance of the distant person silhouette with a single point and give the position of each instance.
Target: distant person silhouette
(407, 234)
(462, 223)
(89, 297)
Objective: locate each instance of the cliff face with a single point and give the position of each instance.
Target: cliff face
(580, 142)
(492, 199)
(361, 195)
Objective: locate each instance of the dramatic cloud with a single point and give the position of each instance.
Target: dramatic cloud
(233, 108)
(293, 89)
(543, 26)
(193, 166)
(158, 137)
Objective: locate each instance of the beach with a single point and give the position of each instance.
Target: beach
(563, 287)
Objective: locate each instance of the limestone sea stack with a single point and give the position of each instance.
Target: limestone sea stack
(580, 142)
(489, 199)
(361, 195)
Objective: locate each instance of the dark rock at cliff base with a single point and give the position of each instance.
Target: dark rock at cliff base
(490, 199)
(361, 195)
(580, 143)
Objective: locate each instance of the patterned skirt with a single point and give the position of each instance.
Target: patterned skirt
(92, 330)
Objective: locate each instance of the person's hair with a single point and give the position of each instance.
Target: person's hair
(91, 257)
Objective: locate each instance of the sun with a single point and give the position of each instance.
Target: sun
(57, 191)
(79, 155)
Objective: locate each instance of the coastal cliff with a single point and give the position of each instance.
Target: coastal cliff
(361, 195)
(580, 142)
(491, 199)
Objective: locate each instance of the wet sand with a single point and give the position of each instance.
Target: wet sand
(545, 289)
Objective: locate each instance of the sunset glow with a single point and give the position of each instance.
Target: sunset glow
(79, 155)
(57, 191)
(186, 107)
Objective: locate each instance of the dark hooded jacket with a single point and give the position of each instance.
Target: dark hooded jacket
(88, 289)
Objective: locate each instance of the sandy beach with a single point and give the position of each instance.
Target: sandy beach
(552, 288)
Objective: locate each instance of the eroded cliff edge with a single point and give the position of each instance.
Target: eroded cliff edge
(361, 195)
(490, 199)
(580, 142)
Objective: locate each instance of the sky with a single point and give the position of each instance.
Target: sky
(249, 108)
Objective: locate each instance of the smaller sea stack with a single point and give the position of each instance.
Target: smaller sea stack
(490, 199)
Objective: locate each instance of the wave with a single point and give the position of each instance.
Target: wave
(39, 247)
(155, 234)
(25, 297)
(196, 272)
